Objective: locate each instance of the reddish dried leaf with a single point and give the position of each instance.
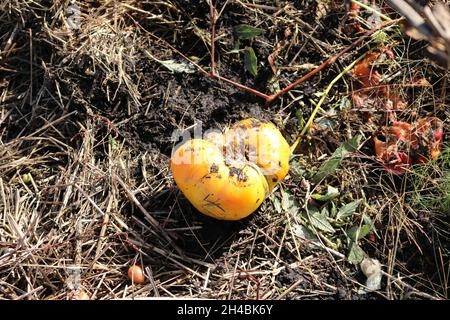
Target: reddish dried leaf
(404, 144)
(422, 82)
(370, 79)
(279, 46)
(359, 99)
(353, 12)
(364, 72)
(389, 53)
(273, 56)
(354, 9)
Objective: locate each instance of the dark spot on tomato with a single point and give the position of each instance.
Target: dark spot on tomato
(238, 173)
(214, 168)
(234, 171)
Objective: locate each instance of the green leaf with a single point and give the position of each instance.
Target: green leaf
(319, 220)
(326, 123)
(356, 233)
(356, 254)
(329, 166)
(326, 169)
(277, 204)
(348, 209)
(345, 103)
(304, 233)
(312, 209)
(178, 67)
(333, 210)
(246, 32)
(349, 146)
(300, 119)
(380, 37)
(175, 67)
(297, 170)
(288, 201)
(325, 211)
(251, 61)
(112, 142)
(367, 220)
(237, 44)
(332, 193)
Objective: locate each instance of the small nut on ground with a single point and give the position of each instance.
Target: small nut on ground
(136, 274)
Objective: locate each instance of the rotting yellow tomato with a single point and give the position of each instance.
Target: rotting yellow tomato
(263, 144)
(227, 176)
(223, 189)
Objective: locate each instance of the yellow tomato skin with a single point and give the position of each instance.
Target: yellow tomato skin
(262, 144)
(225, 190)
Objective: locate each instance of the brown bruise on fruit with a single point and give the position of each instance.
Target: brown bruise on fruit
(262, 143)
(214, 168)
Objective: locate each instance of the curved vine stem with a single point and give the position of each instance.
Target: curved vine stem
(322, 99)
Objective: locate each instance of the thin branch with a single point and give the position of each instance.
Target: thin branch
(243, 87)
(208, 74)
(269, 98)
(322, 99)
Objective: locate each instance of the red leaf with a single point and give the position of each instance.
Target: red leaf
(405, 144)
